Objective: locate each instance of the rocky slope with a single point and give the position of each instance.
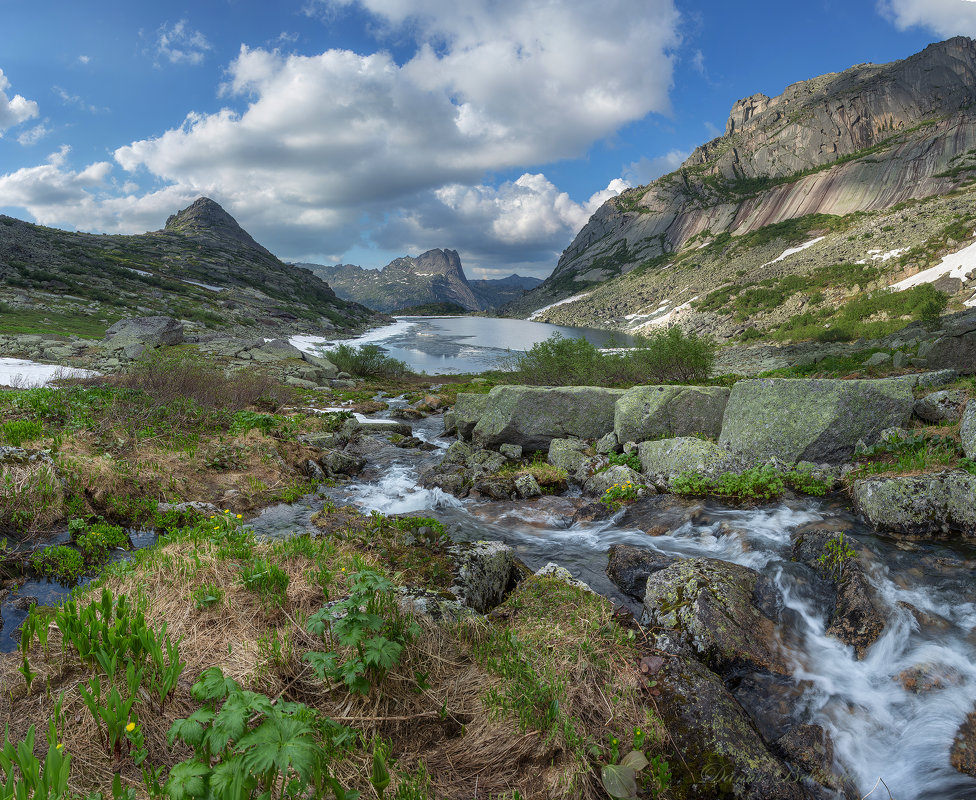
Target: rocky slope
(202, 267)
(432, 277)
(874, 163)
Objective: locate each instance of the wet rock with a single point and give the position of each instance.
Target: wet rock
(936, 505)
(406, 413)
(926, 619)
(811, 750)
(660, 514)
(381, 426)
(484, 572)
(340, 462)
(724, 755)
(963, 753)
(859, 617)
(619, 475)
(532, 416)
(819, 420)
(940, 406)
(663, 460)
(769, 700)
(451, 478)
(710, 606)
(25, 602)
(929, 677)
(497, 487)
(809, 546)
(655, 412)
(591, 512)
(556, 572)
(629, 566)
(527, 486)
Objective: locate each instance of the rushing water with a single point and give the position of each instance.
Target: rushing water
(879, 728)
(450, 345)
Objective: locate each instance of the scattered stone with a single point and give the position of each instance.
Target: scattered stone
(553, 570)
(527, 486)
(941, 405)
(512, 452)
(929, 677)
(629, 566)
(878, 359)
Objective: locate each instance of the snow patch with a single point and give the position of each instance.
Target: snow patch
(667, 318)
(314, 345)
(28, 374)
(789, 251)
(955, 265)
(138, 271)
(877, 255)
(535, 314)
(202, 285)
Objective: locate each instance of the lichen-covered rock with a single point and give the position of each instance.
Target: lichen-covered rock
(665, 459)
(568, 454)
(817, 420)
(338, 462)
(943, 405)
(967, 430)
(457, 453)
(724, 755)
(484, 572)
(527, 486)
(932, 506)
(556, 572)
(532, 416)
(511, 451)
(963, 753)
(859, 618)
(711, 607)
(629, 566)
(433, 605)
(608, 444)
(655, 412)
(147, 331)
(618, 475)
(468, 409)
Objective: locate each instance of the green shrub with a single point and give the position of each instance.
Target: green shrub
(365, 361)
(756, 484)
(59, 562)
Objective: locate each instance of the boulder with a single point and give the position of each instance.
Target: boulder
(561, 574)
(484, 572)
(663, 460)
(963, 753)
(819, 420)
(933, 506)
(608, 444)
(568, 454)
(723, 754)
(659, 514)
(955, 349)
(274, 350)
(940, 406)
(338, 462)
(511, 451)
(712, 608)
(657, 412)
(325, 367)
(467, 411)
(618, 475)
(532, 416)
(527, 486)
(145, 331)
(629, 566)
(858, 619)
(967, 430)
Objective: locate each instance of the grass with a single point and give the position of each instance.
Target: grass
(57, 323)
(532, 703)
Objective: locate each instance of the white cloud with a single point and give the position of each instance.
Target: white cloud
(33, 135)
(698, 62)
(84, 59)
(181, 44)
(16, 109)
(647, 169)
(74, 100)
(943, 17)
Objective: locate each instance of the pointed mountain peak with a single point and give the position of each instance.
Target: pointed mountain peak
(206, 219)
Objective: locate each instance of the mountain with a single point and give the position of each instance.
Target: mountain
(823, 196)
(202, 267)
(430, 278)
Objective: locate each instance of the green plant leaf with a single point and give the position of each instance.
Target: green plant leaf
(635, 759)
(619, 781)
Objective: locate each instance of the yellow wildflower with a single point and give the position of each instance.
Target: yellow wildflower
(130, 727)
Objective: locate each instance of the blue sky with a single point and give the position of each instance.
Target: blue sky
(362, 130)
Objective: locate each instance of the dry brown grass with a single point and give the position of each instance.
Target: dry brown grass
(467, 746)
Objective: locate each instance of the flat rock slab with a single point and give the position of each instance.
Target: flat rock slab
(935, 506)
(818, 420)
(532, 416)
(654, 412)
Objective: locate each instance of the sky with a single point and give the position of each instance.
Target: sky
(357, 131)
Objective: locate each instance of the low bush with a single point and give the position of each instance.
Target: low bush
(365, 361)
(757, 484)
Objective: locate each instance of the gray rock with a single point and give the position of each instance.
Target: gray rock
(967, 430)
(877, 359)
(527, 486)
(467, 411)
(195, 506)
(598, 483)
(511, 451)
(275, 350)
(147, 331)
(556, 572)
(942, 405)
(711, 608)
(933, 506)
(858, 618)
(450, 424)
(337, 462)
(817, 420)
(484, 572)
(568, 454)
(655, 412)
(629, 567)
(458, 453)
(532, 416)
(663, 460)
(326, 368)
(608, 444)
(381, 426)
(432, 605)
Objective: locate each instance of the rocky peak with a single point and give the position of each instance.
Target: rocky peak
(206, 220)
(433, 262)
(744, 110)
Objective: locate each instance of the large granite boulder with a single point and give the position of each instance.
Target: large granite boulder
(724, 755)
(933, 506)
(818, 420)
(273, 350)
(713, 608)
(656, 412)
(663, 460)
(468, 409)
(144, 331)
(532, 416)
(967, 430)
(955, 349)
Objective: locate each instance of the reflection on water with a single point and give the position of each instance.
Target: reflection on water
(448, 345)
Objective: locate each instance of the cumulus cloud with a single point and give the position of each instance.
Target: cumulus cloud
(647, 169)
(181, 44)
(311, 142)
(33, 135)
(16, 109)
(944, 17)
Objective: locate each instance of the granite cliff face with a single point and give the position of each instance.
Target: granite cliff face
(432, 277)
(850, 145)
(202, 267)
